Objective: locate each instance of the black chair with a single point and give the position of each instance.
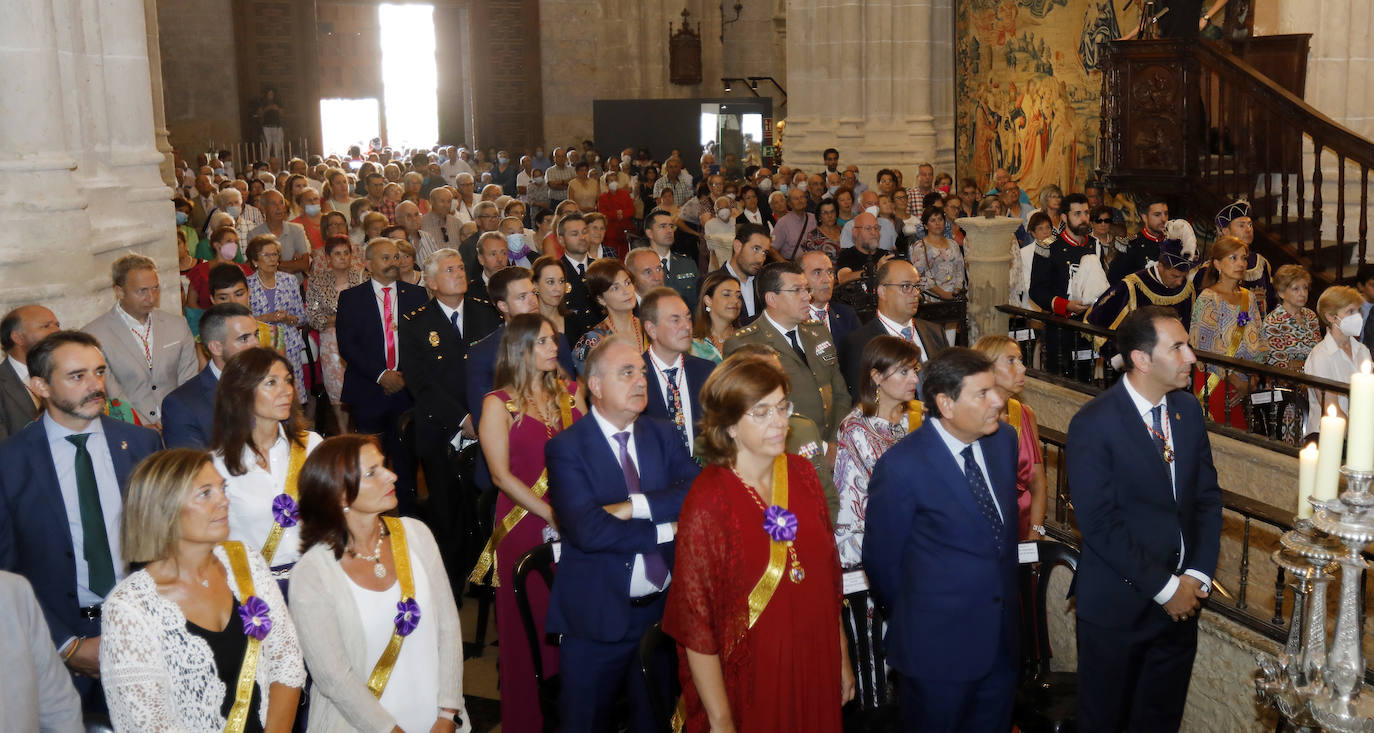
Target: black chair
(658, 665)
(539, 560)
(486, 521)
(1046, 702)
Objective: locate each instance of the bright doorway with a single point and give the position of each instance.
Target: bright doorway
(410, 76)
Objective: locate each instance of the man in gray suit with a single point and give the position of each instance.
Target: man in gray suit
(149, 351)
(38, 694)
(20, 329)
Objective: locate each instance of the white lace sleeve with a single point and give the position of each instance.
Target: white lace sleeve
(280, 660)
(138, 684)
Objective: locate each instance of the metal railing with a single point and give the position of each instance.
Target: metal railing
(1079, 355)
(1249, 527)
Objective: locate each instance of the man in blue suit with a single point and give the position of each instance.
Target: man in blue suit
(675, 376)
(1147, 502)
(188, 413)
(616, 482)
(373, 386)
(820, 277)
(61, 495)
(940, 553)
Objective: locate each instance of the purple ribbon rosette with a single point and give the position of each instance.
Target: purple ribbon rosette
(407, 616)
(1242, 318)
(285, 511)
(780, 524)
(255, 614)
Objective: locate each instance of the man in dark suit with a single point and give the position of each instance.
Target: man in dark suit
(434, 341)
(373, 386)
(751, 248)
(675, 376)
(679, 272)
(61, 494)
(20, 329)
(617, 481)
(571, 230)
(940, 554)
(820, 277)
(492, 257)
(1146, 497)
(899, 296)
(188, 413)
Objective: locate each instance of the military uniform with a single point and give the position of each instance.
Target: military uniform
(1051, 269)
(1137, 290)
(818, 387)
(682, 275)
(1139, 253)
(804, 439)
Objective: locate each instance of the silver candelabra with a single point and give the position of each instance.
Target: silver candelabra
(1312, 685)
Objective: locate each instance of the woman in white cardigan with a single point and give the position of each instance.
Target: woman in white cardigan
(174, 634)
(357, 596)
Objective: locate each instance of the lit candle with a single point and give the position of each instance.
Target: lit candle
(1328, 478)
(1360, 453)
(1307, 478)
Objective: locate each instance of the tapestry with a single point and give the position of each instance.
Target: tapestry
(1028, 87)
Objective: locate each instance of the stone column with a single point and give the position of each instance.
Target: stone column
(79, 161)
(987, 254)
(866, 78)
(168, 166)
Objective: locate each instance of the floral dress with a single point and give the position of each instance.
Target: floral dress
(591, 338)
(1237, 332)
(285, 296)
(1291, 338)
(939, 267)
(321, 302)
(860, 441)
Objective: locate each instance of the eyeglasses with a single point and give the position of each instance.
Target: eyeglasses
(1108, 220)
(907, 288)
(795, 290)
(761, 413)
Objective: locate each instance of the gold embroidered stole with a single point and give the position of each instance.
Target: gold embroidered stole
(293, 471)
(243, 691)
(400, 555)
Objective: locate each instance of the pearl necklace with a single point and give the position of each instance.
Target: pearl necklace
(378, 569)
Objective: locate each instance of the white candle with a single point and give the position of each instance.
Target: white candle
(1360, 453)
(1328, 477)
(1307, 479)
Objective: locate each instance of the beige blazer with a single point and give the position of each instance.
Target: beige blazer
(331, 637)
(174, 360)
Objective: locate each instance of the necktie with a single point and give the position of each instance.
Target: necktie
(982, 495)
(443, 230)
(1158, 433)
(675, 406)
(581, 270)
(453, 318)
(909, 334)
(665, 265)
(796, 346)
(388, 329)
(95, 543)
(655, 568)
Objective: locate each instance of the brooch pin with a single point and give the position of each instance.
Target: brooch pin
(124, 445)
(433, 338)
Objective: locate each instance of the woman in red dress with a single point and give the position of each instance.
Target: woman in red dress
(533, 401)
(755, 599)
(618, 206)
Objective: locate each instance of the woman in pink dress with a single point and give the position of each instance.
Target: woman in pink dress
(533, 400)
(1010, 373)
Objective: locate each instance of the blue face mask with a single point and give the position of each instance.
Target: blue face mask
(182, 218)
(312, 209)
(783, 188)
(219, 171)
(233, 211)
(515, 243)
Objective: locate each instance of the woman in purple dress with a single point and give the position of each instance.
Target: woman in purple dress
(533, 401)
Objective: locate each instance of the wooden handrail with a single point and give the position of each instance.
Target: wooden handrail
(1339, 138)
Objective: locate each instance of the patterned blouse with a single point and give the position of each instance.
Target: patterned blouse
(860, 442)
(1214, 328)
(322, 295)
(1290, 337)
(942, 268)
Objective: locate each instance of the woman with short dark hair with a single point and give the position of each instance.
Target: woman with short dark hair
(378, 623)
(755, 597)
(610, 285)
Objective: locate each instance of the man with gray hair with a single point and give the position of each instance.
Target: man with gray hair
(887, 234)
(492, 257)
(488, 219)
(466, 198)
(295, 245)
(20, 329)
(149, 351)
(645, 270)
(617, 482)
(408, 216)
(440, 223)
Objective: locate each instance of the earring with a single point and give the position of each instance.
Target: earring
(708, 309)
(345, 510)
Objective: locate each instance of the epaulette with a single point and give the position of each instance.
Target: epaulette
(416, 312)
(747, 329)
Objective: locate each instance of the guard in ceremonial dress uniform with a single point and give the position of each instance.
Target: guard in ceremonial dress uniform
(818, 387)
(1164, 283)
(1051, 269)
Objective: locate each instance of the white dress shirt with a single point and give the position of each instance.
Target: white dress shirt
(1144, 407)
(139, 330)
(957, 447)
(251, 495)
(746, 289)
(639, 582)
(107, 485)
(661, 378)
(894, 328)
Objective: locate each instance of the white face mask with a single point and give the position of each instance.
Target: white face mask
(724, 214)
(1352, 325)
(613, 186)
(765, 185)
(871, 210)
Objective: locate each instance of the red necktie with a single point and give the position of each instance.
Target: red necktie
(387, 328)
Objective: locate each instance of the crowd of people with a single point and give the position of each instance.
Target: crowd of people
(716, 390)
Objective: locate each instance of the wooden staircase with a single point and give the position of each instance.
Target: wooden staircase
(1215, 121)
